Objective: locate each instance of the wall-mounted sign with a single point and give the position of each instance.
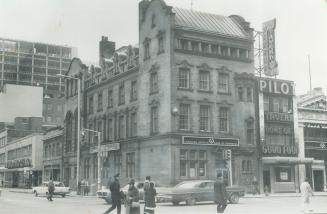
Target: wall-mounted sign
(276, 86)
(270, 65)
(278, 130)
(279, 150)
(210, 141)
(105, 148)
(279, 117)
(19, 163)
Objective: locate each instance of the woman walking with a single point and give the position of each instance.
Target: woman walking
(150, 200)
(132, 199)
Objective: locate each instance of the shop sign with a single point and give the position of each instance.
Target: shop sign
(210, 141)
(19, 163)
(279, 150)
(278, 117)
(279, 130)
(269, 53)
(105, 148)
(275, 86)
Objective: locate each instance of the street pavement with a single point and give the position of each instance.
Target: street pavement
(27, 203)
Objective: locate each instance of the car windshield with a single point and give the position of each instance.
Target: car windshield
(188, 184)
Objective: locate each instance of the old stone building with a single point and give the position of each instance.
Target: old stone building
(312, 110)
(172, 106)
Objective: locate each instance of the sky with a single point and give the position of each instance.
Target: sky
(301, 28)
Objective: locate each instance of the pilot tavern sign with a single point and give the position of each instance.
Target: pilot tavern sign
(275, 86)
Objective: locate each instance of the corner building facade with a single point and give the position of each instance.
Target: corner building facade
(170, 107)
(196, 95)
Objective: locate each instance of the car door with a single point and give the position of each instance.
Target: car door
(206, 191)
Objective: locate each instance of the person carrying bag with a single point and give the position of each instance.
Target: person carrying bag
(132, 199)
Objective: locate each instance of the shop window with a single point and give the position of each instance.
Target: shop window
(193, 163)
(130, 165)
(283, 174)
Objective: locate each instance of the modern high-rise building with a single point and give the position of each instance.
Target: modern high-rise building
(34, 63)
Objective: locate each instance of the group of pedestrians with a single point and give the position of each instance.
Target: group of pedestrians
(131, 199)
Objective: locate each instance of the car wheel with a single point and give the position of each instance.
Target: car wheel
(63, 195)
(191, 201)
(175, 203)
(234, 198)
(36, 194)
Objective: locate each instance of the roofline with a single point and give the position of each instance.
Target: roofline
(42, 43)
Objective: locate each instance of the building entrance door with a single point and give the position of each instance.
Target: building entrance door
(266, 180)
(318, 180)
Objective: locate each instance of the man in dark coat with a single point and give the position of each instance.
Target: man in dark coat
(115, 195)
(51, 189)
(220, 194)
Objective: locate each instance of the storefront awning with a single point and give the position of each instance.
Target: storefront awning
(286, 160)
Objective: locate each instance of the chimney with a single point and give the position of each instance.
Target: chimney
(106, 48)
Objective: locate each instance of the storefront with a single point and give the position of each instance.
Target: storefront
(23, 166)
(279, 149)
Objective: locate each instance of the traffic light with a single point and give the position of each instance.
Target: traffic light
(227, 154)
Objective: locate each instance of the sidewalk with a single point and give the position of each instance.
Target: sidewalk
(282, 195)
(29, 191)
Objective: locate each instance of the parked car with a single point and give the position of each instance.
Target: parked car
(60, 189)
(199, 190)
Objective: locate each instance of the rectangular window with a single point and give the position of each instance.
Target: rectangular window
(91, 104)
(204, 78)
(154, 88)
(121, 126)
(146, 50)
(193, 163)
(184, 78)
(204, 118)
(249, 132)
(130, 165)
(133, 91)
(110, 130)
(249, 94)
(154, 120)
(184, 118)
(121, 94)
(223, 119)
(223, 83)
(266, 103)
(184, 44)
(117, 162)
(160, 44)
(283, 174)
(240, 93)
(195, 46)
(110, 98)
(100, 101)
(133, 124)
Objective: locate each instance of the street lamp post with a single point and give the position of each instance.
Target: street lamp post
(78, 121)
(99, 155)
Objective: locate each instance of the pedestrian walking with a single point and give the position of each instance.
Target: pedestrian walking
(306, 193)
(115, 195)
(220, 193)
(150, 200)
(146, 188)
(132, 199)
(51, 189)
(255, 186)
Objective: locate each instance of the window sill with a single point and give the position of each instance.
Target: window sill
(185, 89)
(205, 91)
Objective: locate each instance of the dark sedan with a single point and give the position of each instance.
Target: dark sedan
(200, 190)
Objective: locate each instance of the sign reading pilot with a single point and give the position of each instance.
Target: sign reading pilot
(276, 86)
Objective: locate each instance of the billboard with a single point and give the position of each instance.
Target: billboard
(20, 101)
(270, 65)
